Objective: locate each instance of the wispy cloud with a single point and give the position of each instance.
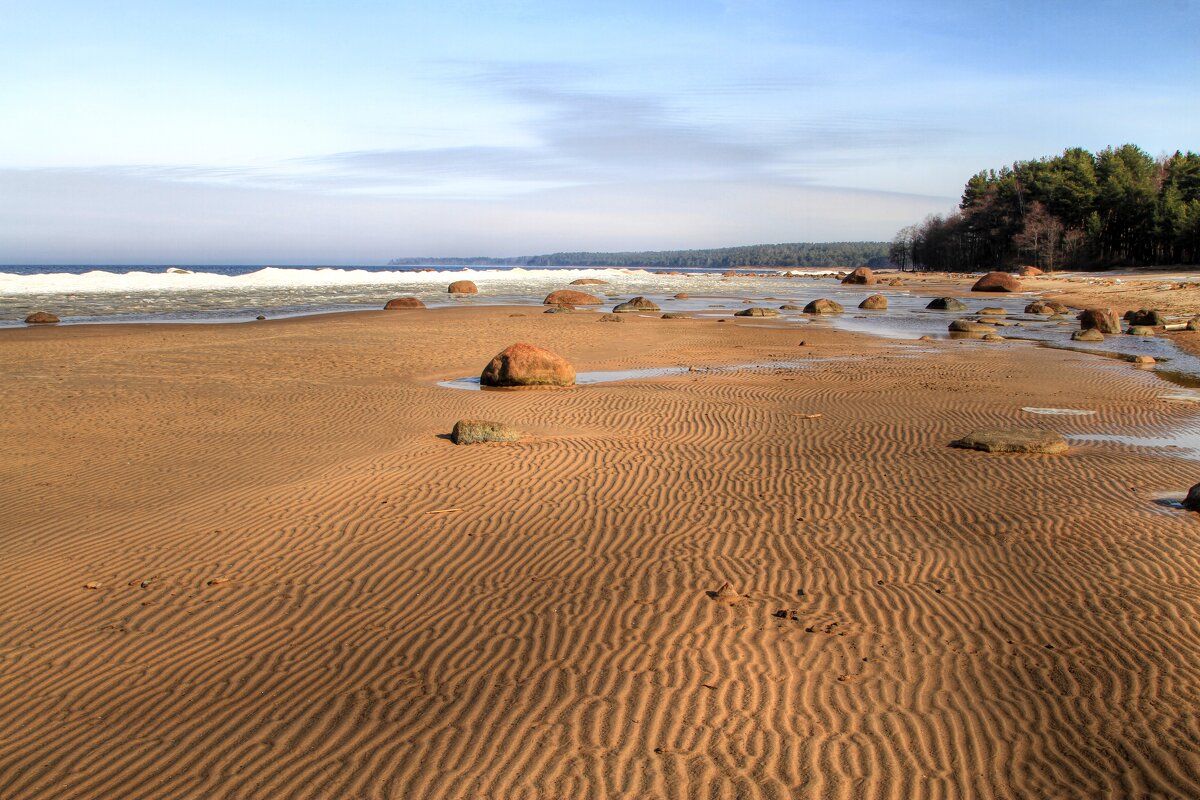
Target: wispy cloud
(585, 136)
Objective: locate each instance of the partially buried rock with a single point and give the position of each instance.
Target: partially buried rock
(1147, 317)
(790, 307)
(636, 304)
(1140, 330)
(1144, 361)
(1089, 335)
(559, 310)
(1192, 501)
(757, 312)
(946, 304)
(403, 302)
(682, 296)
(1104, 320)
(588, 282)
(570, 297)
(462, 287)
(524, 364)
(41, 318)
(672, 315)
(726, 593)
(997, 282)
(823, 306)
(610, 318)
(475, 431)
(1193, 324)
(993, 337)
(1013, 440)
(860, 277)
(993, 311)
(1031, 272)
(875, 302)
(970, 326)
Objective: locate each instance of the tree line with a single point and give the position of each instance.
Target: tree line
(789, 255)
(1118, 207)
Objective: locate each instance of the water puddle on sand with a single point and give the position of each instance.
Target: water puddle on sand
(1060, 412)
(1181, 396)
(1179, 443)
(609, 376)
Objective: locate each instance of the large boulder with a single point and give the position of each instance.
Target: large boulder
(403, 302)
(997, 282)
(1104, 320)
(588, 282)
(860, 277)
(524, 364)
(570, 297)
(946, 304)
(475, 431)
(462, 287)
(970, 326)
(875, 302)
(1192, 501)
(41, 318)
(1013, 440)
(1088, 335)
(635, 304)
(823, 306)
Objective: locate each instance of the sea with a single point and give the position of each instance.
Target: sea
(93, 294)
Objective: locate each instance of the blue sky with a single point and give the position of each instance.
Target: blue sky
(313, 132)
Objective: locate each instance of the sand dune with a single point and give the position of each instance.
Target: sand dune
(966, 625)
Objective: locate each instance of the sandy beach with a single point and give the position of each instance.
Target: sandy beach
(245, 561)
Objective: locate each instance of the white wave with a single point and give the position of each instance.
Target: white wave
(101, 281)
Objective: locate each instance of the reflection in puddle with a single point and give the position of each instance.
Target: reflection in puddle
(609, 376)
(1060, 412)
(1180, 443)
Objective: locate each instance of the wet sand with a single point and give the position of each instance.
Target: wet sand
(302, 589)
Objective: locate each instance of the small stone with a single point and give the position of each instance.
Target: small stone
(260, 317)
(1140, 330)
(1089, 335)
(727, 593)
(757, 312)
(993, 337)
(93, 585)
(1144, 360)
(672, 315)
(610, 318)
(219, 581)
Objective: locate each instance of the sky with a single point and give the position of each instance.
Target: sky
(353, 132)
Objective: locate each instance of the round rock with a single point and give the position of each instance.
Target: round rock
(946, 304)
(636, 304)
(997, 282)
(823, 306)
(41, 318)
(462, 287)
(875, 302)
(570, 297)
(523, 364)
(403, 302)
